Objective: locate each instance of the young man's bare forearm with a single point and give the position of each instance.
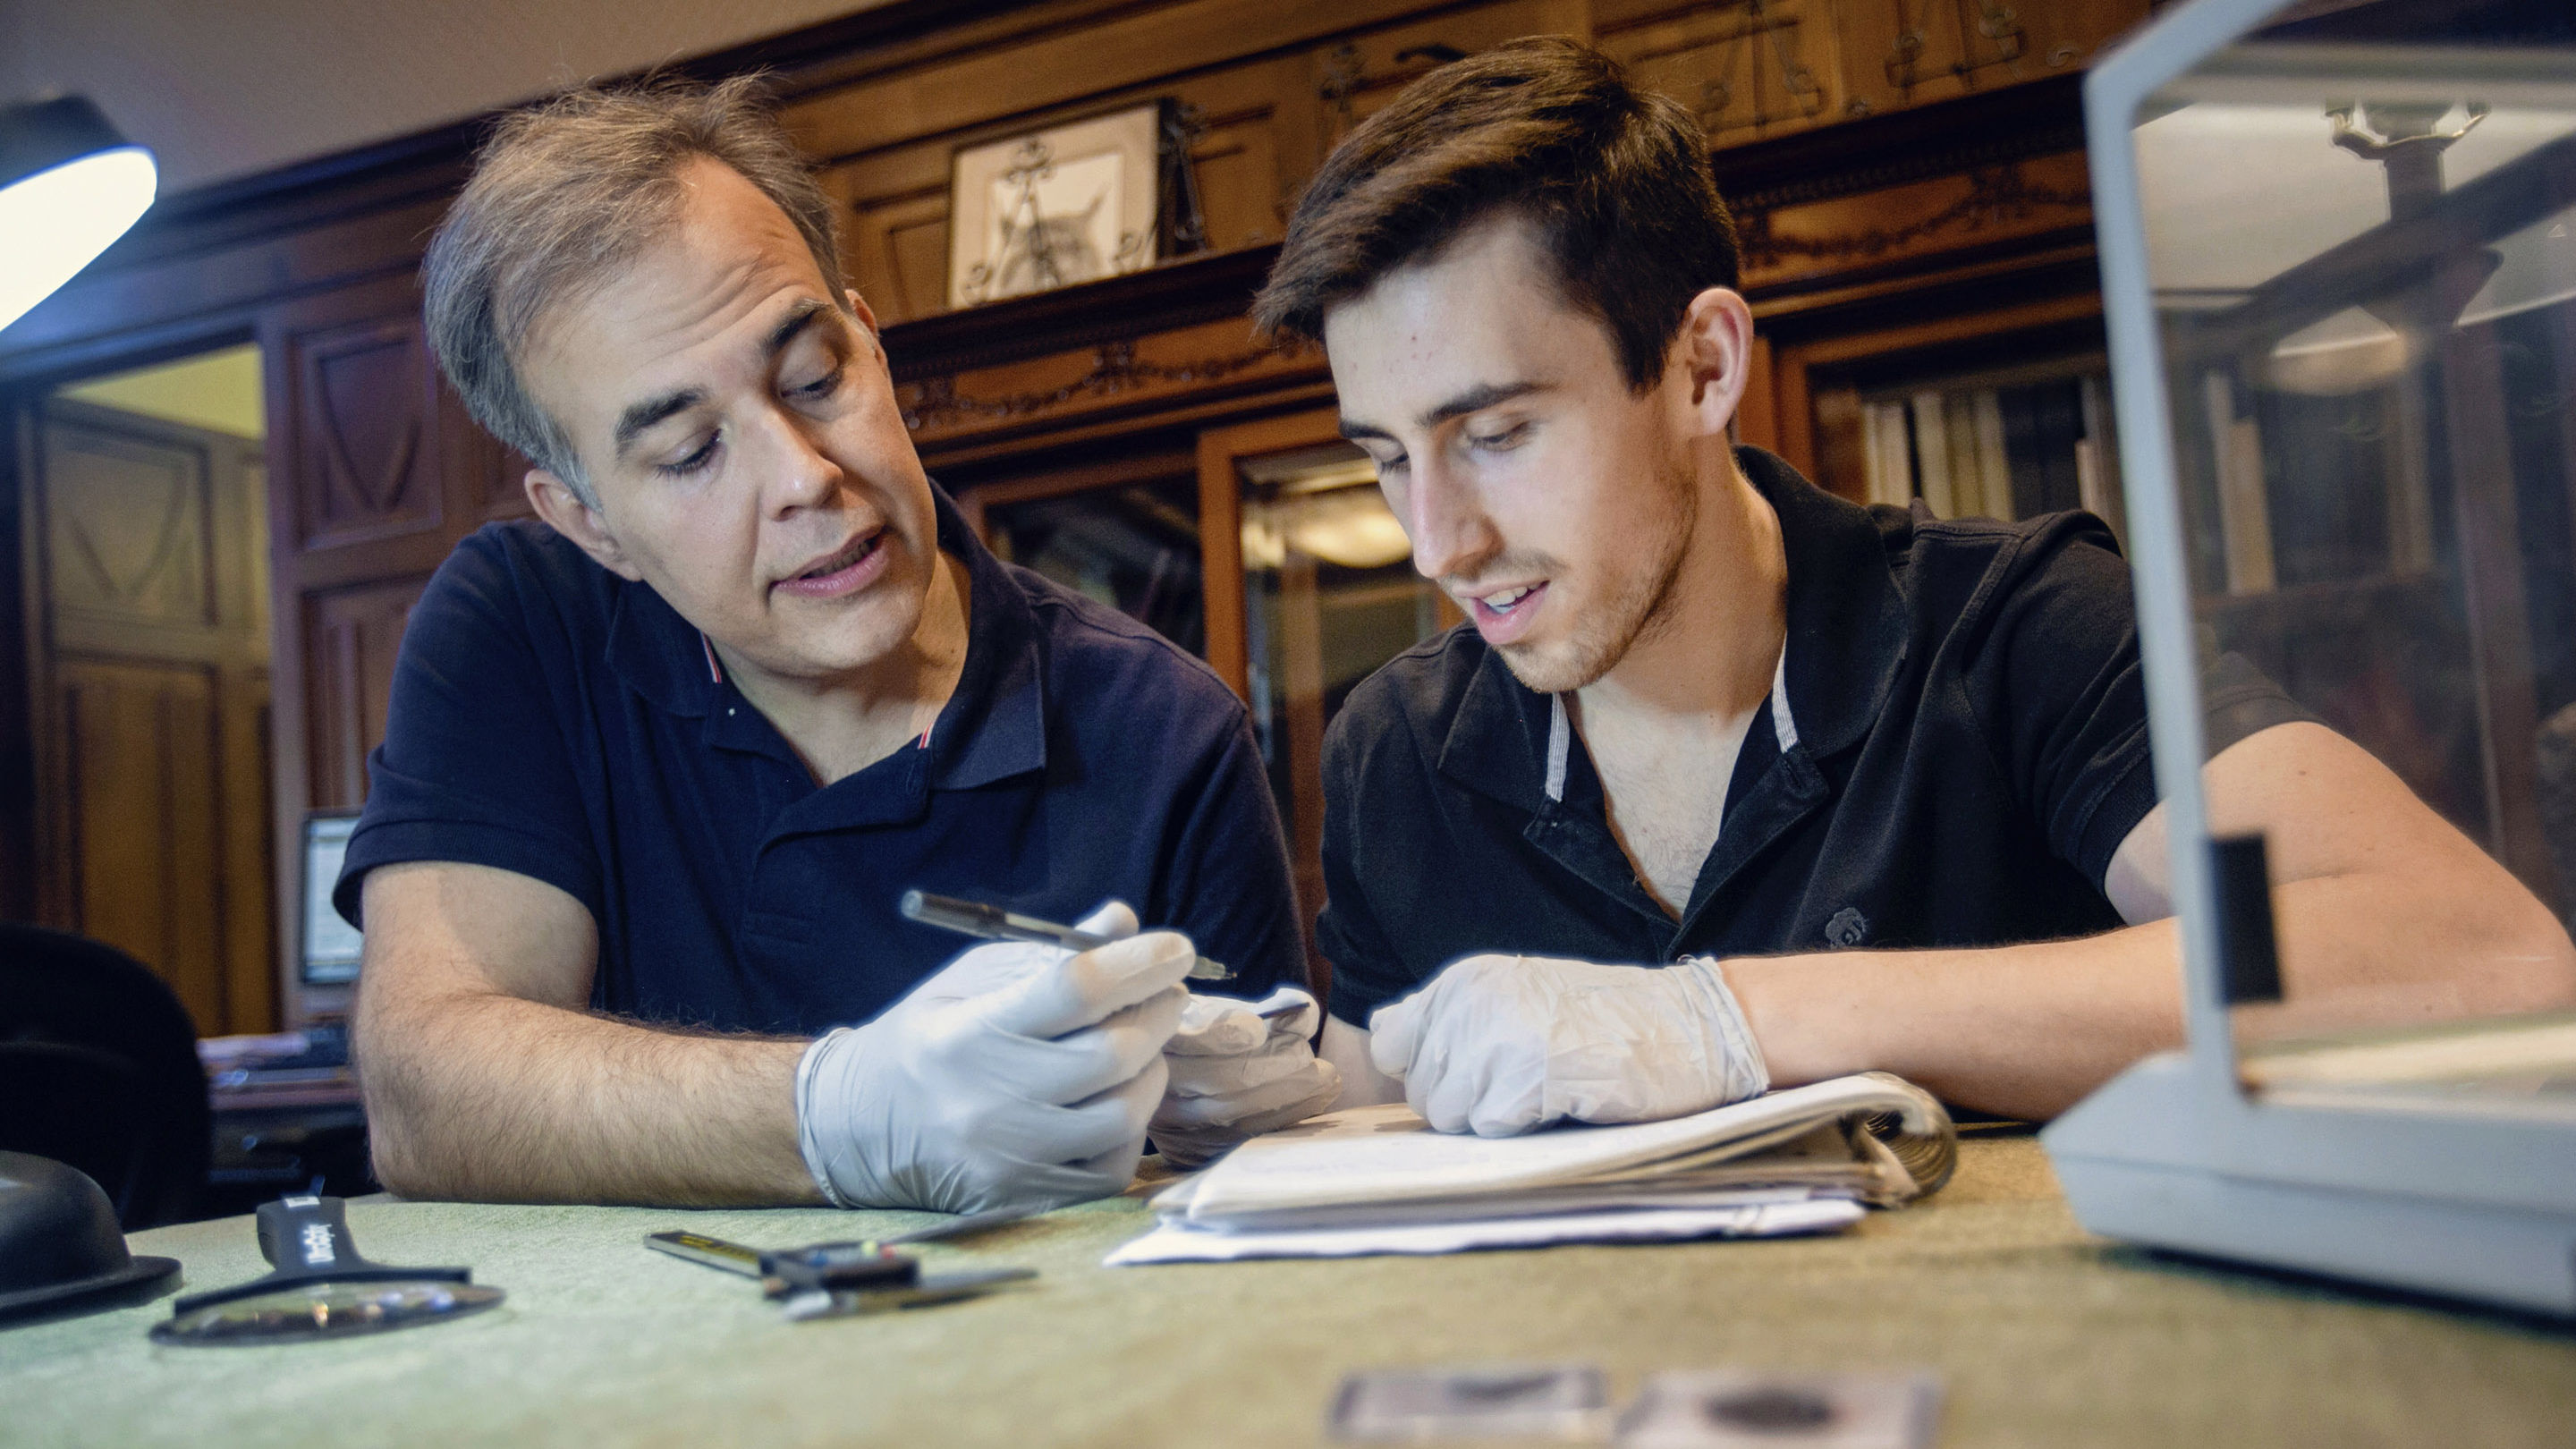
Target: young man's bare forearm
(2029, 1030)
(485, 1079)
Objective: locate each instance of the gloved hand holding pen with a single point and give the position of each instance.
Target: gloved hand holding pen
(1020, 1076)
(1498, 1045)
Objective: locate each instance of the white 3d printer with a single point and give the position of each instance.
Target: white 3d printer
(2339, 272)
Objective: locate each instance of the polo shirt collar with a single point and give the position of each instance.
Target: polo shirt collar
(1847, 619)
(993, 726)
(1845, 642)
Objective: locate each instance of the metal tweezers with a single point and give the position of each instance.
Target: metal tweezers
(846, 1278)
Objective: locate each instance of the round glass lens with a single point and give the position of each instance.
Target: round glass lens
(325, 1310)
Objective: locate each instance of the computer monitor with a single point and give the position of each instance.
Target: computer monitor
(330, 945)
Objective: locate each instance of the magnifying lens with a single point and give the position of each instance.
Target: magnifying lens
(324, 1310)
(320, 1287)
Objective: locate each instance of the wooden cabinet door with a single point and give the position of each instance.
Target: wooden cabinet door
(380, 473)
(151, 678)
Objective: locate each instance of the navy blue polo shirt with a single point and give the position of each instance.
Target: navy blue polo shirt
(552, 719)
(1953, 748)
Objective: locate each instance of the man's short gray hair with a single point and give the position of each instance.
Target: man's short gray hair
(563, 196)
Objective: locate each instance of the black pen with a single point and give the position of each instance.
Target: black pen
(995, 924)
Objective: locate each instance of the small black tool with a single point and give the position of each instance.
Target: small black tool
(320, 1286)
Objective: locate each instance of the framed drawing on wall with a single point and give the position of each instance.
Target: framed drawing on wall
(1072, 203)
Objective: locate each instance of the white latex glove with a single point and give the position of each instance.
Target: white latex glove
(1235, 1074)
(1019, 1076)
(1502, 1044)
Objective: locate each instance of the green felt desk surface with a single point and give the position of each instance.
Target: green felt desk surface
(2041, 1335)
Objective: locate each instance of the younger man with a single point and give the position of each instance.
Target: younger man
(1733, 783)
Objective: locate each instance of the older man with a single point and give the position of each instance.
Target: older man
(659, 766)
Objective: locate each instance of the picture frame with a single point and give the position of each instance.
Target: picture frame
(1072, 203)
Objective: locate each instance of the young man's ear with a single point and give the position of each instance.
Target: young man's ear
(565, 513)
(1715, 349)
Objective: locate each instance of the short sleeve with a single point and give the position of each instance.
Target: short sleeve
(2062, 692)
(1226, 874)
(475, 767)
(1367, 972)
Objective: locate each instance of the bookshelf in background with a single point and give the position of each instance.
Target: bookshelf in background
(1996, 447)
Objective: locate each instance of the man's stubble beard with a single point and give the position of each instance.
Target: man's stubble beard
(1634, 612)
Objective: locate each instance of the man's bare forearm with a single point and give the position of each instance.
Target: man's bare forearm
(484, 1078)
(497, 1099)
(2029, 1030)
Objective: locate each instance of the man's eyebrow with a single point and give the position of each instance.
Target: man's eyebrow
(638, 417)
(1473, 400)
(1476, 400)
(792, 325)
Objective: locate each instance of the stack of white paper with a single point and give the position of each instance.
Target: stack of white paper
(1378, 1180)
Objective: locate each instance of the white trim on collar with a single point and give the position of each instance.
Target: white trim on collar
(1560, 730)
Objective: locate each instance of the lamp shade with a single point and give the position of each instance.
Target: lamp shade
(69, 186)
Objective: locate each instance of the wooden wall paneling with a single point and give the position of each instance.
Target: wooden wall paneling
(1255, 132)
(252, 928)
(1807, 245)
(140, 822)
(367, 431)
(1049, 71)
(352, 637)
(1746, 69)
(377, 473)
(1054, 395)
(155, 647)
(1794, 414)
(1902, 53)
(1354, 77)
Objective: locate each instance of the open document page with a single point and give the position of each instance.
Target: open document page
(1378, 1179)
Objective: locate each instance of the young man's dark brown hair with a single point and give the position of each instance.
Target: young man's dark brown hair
(1615, 180)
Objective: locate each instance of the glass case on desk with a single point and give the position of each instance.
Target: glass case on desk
(2363, 266)
(2339, 276)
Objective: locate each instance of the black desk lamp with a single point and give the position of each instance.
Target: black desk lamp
(69, 185)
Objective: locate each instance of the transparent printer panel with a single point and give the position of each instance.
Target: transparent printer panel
(2364, 266)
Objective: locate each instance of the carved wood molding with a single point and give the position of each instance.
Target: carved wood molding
(1993, 194)
(936, 402)
(1990, 128)
(1165, 298)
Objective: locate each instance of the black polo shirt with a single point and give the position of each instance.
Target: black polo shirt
(1959, 748)
(552, 719)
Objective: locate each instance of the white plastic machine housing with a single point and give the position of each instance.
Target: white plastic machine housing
(2463, 1196)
